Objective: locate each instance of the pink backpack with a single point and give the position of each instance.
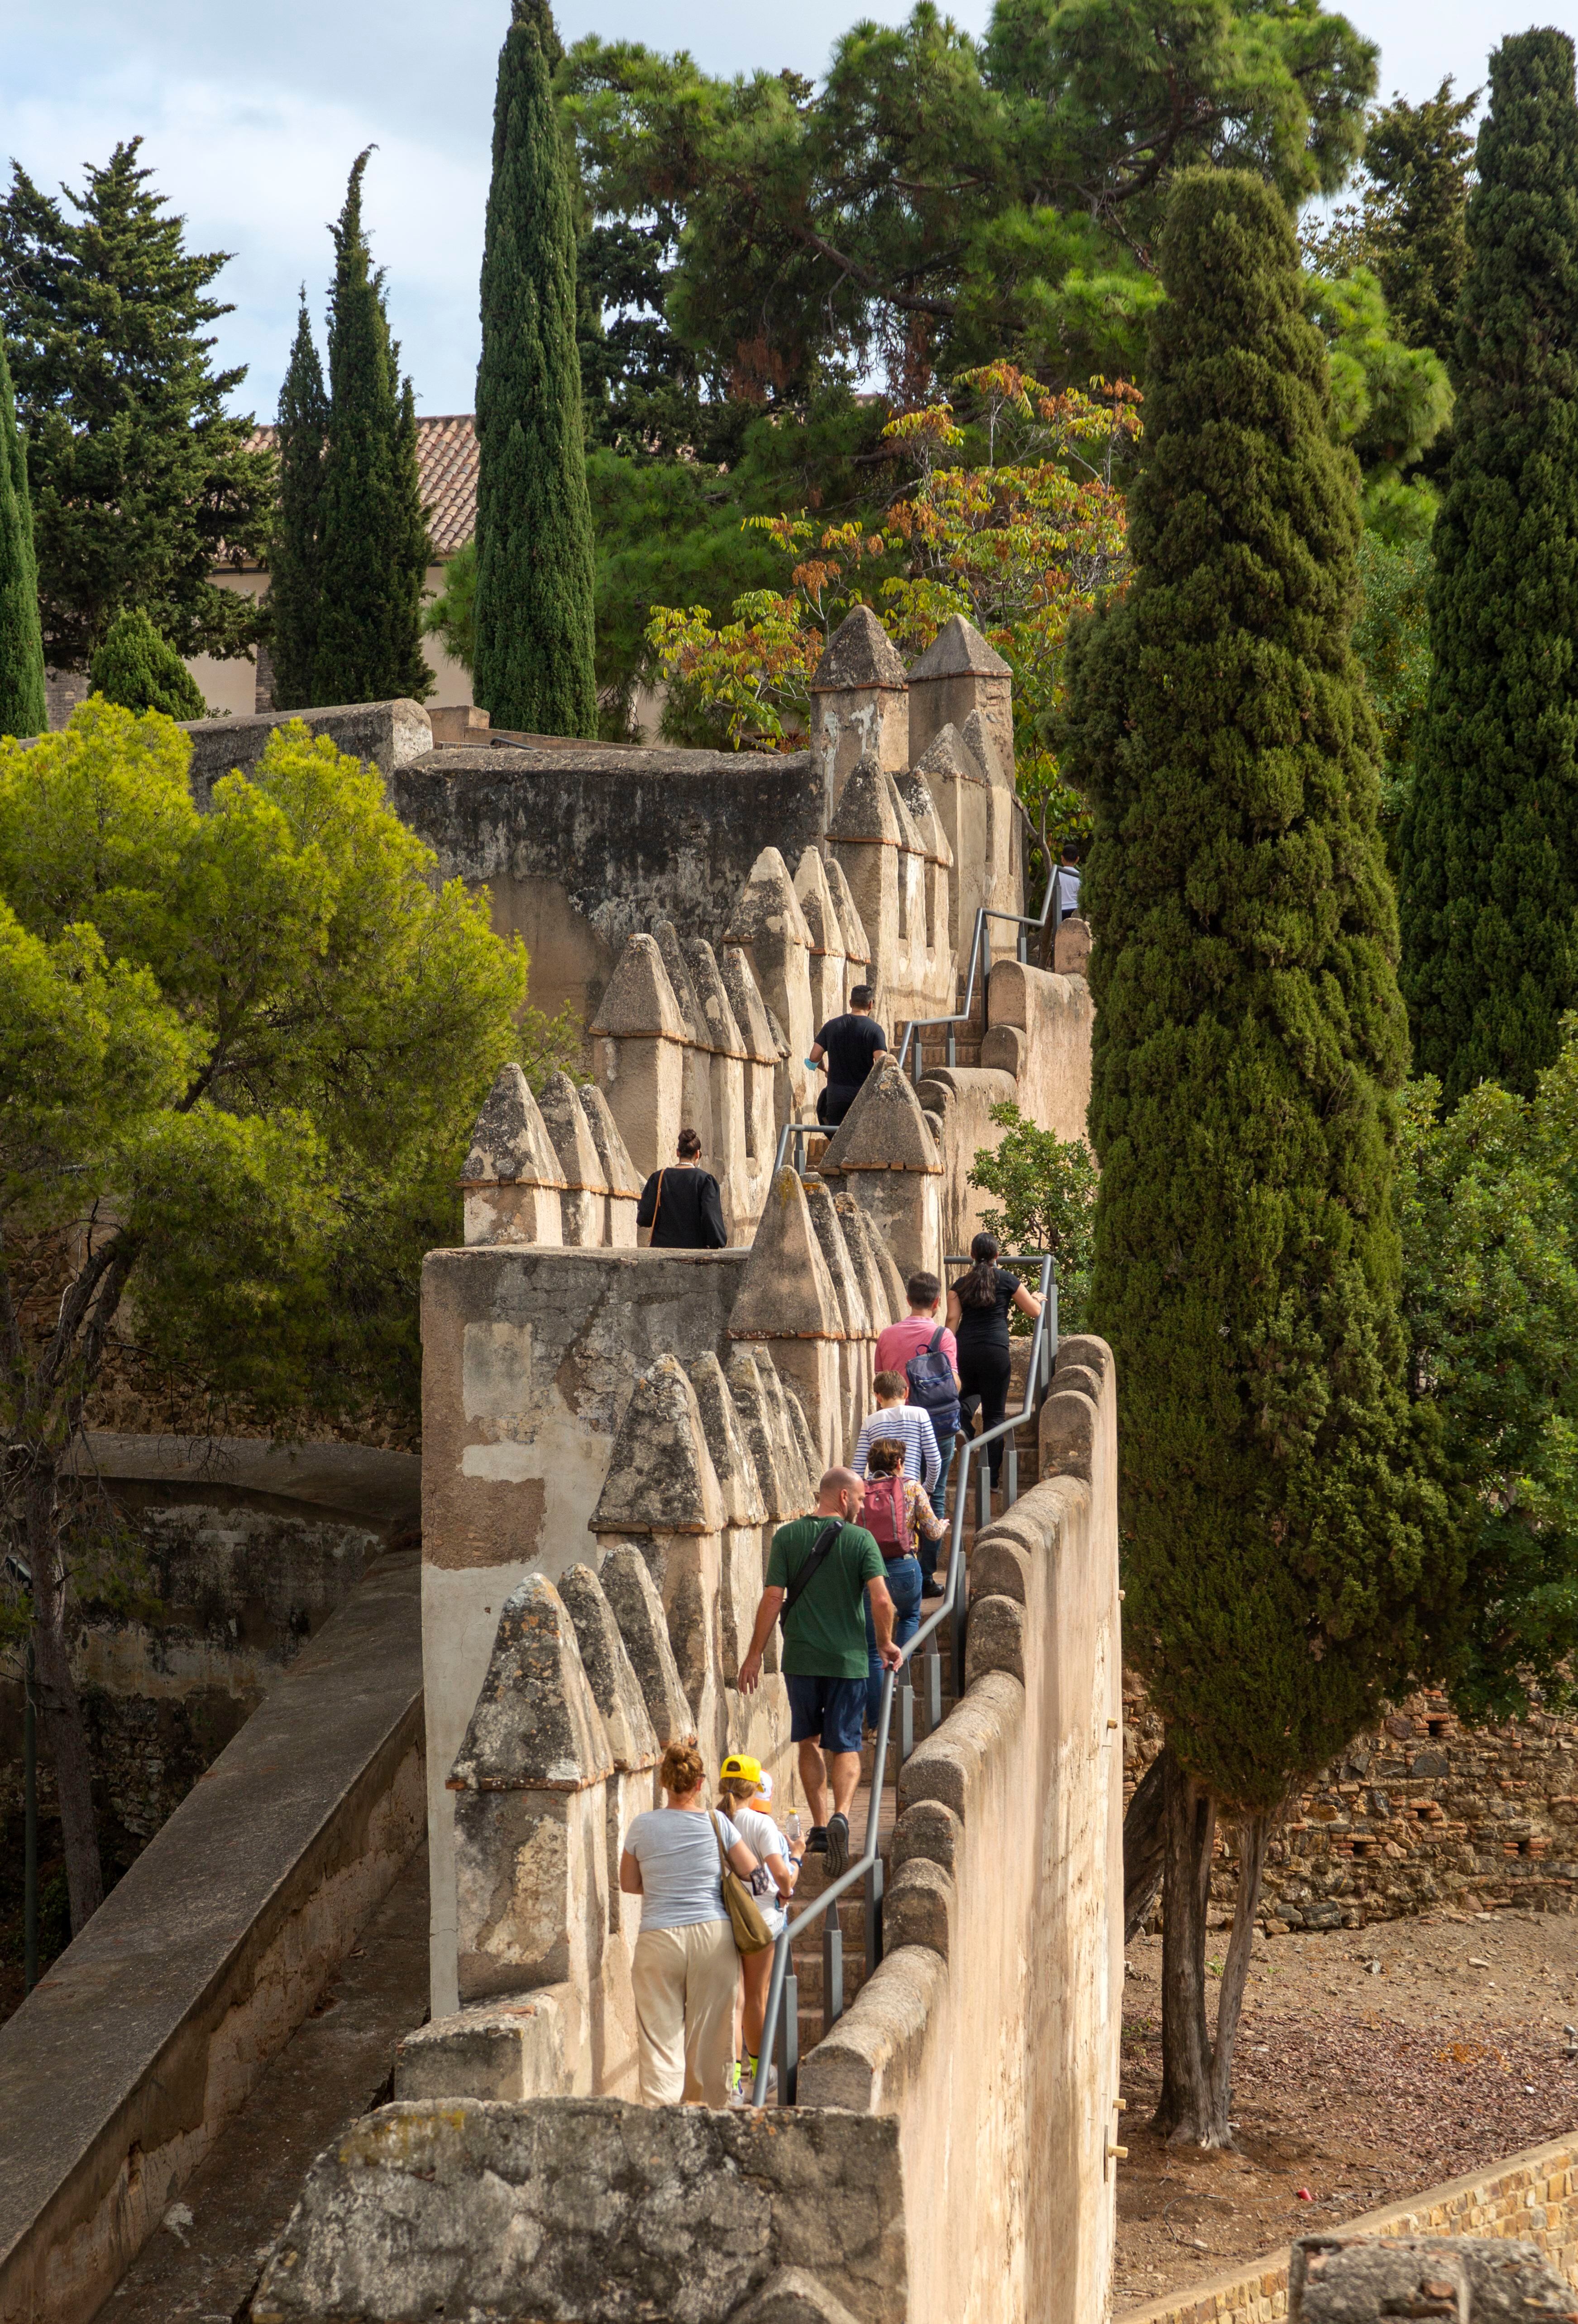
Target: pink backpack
(886, 1515)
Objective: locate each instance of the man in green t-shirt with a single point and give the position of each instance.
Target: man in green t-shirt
(824, 1654)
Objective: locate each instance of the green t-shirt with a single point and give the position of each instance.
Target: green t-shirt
(825, 1636)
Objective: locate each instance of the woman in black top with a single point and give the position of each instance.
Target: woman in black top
(978, 1306)
(681, 1203)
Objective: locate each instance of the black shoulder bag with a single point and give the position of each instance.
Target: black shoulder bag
(821, 1551)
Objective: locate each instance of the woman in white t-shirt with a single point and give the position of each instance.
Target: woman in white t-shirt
(739, 1787)
(686, 1968)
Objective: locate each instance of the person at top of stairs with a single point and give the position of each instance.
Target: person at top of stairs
(849, 1046)
(820, 1570)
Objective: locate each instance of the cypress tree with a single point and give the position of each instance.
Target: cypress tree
(1280, 1528)
(295, 584)
(1487, 847)
(141, 670)
(534, 566)
(375, 540)
(23, 709)
(1419, 157)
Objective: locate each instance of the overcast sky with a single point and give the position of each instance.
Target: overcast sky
(252, 116)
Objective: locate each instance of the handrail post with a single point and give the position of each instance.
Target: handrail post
(934, 1687)
(789, 2043)
(983, 1492)
(874, 1886)
(1011, 1473)
(906, 1691)
(832, 1968)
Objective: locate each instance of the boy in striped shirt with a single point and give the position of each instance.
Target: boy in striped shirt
(908, 1423)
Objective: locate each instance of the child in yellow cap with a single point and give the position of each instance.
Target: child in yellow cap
(741, 1781)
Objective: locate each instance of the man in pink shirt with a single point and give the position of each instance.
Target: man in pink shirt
(895, 1346)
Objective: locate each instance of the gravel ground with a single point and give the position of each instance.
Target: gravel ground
(1372, 2063)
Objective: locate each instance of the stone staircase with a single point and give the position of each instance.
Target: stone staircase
(809, 1948)
(968, 1034)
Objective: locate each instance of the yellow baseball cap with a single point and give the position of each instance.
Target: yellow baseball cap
(737, 1764)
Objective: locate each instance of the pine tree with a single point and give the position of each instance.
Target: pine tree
(23, 709)
(140, 478)
(295, 582)
(141, 670)
(1418, 158)
(374, 540)
(1281, 1530)
(534, 566)
(1487, 847)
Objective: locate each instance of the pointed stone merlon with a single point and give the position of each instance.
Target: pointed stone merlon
(638, 1039)
(583, 1197)
(610, 1675)
(770, 927)
(958, 676)
(886, 858)
(860, 703)
(530, 1863)
(787, 1299)
(884, 1154)
(633, 1594)
(512, 1179)
(619, 1171)
(660, 1478)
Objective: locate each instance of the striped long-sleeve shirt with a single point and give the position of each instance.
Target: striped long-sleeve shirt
(911, 1425)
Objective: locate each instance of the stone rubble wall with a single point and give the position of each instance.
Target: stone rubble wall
(1420, 1811)
(1532, 2197)
(1002, 1948)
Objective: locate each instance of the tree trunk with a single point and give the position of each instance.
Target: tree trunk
(65, 1737)
(1196, 2089)
(1145, 1845)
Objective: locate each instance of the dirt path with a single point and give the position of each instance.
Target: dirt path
(1372, 2063)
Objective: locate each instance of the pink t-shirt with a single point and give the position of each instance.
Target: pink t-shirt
(901, 1340)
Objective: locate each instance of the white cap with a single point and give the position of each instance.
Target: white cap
(764, 1788)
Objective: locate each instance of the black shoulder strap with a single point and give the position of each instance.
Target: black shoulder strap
(821, 1550)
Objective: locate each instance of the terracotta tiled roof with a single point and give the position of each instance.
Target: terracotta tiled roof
(447, 467)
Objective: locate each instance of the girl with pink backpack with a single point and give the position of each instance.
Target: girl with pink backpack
(896, 1512)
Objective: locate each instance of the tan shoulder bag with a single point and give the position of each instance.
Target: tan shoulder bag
(751, 1935)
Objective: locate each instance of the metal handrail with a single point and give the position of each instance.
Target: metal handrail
(802, 1131)
(952, 1611)
(980, 949)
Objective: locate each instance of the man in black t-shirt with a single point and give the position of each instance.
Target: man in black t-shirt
(849, 1046)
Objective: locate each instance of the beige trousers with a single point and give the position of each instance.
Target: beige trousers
(684, 1981)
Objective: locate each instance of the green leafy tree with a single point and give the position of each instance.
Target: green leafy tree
(1047, 1185)
(451, 615)
(296, 553)
(22, 654)
(1488, 848)
(1419, 159)
(141, 670)
(535, 584)
(240, 1056)
(938, 199)
(1391, 638)
(374, 552)
(1390, 402)
(1283, 1539)
(1489, 1204)
(141, 479)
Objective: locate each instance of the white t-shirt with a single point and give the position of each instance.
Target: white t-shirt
(762, 1836)
(681, 1875)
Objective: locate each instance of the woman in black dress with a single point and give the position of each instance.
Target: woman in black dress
(978, 1306)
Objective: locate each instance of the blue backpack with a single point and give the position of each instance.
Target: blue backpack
(932, 1386)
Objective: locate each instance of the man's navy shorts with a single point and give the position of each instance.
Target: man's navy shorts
(830, 1710)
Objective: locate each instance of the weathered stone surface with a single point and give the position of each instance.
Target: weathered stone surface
(999, 1568)
(591, 2209)
(909, 838)
(860, 653)
(535, 1725)
(867, 815)
(1071, 947)
(780, 1470)
(872, 2058)
(841, 1267)
(889, 1301)
(511, 1140)
(615, 1689)
(751, 1014)
(794, 2296)
(929, 1829)
(951, 1764)
(1085, 1348)
(638, 1001)
(721, 1026)
(918, 1907)
(787, 1293)
(815, 899)
(524, 2049)
(629, 1590)
(768, 909)
(884, 1128)
(802, 1433)
(583, 1203)
(1003, 1050)
(959, 651)
(667, 937)
(857, 943)
(947, 759)
(618, 1170)
(921, 808)
(659, 1477)
(982, 745)
(1067, 1434)
(530, 1890)
(995, 1640)
(1469, 2279)
(733, 1465)
(390, 734)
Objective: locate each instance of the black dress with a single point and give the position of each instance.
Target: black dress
(687, 1207)
(985, 1359)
